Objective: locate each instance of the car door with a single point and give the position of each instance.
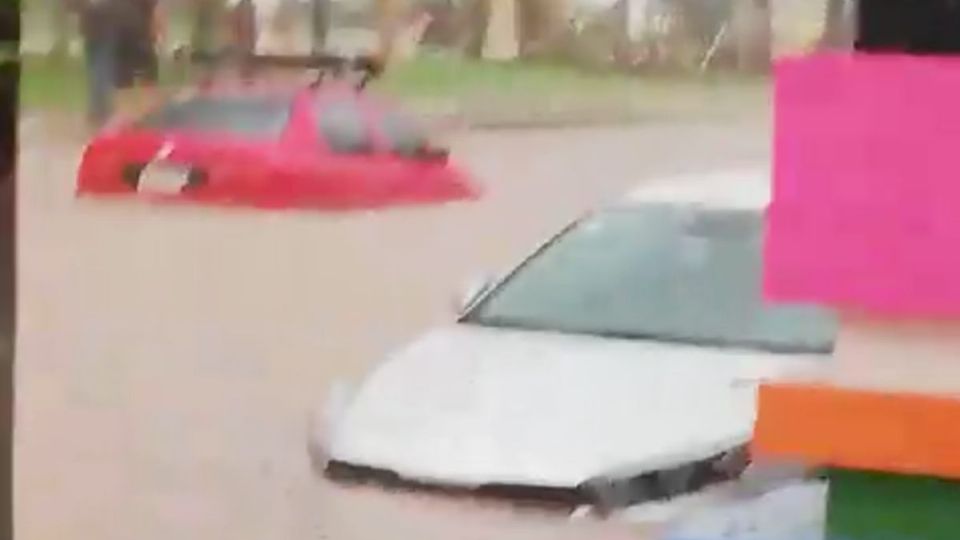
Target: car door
(222, 144)
(413, 168)
(345, 166)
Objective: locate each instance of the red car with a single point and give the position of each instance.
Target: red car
(325, 146)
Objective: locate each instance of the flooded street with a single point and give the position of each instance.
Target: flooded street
(168, 356)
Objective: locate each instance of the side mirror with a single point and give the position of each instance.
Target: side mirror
(474, 290)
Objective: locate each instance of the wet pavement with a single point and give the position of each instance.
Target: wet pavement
(167, 357)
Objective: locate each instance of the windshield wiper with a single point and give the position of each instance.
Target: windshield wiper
(720, 343)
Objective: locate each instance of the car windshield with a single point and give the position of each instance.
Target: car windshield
(668, 273)
(246, 117)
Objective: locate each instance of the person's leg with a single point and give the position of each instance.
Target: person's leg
(264, 14)
(149, 80)
(320, 19)
(138, 74)
(100, 60)
(125, 77)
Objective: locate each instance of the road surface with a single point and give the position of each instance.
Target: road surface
(167, 356)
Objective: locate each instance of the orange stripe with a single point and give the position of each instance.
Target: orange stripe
(860, 429)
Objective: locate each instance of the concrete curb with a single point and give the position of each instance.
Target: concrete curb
(575, 120)
(503, 119)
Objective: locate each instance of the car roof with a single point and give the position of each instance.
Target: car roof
(747, 189)
(229, 95)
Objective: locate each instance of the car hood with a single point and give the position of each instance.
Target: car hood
(472, 406)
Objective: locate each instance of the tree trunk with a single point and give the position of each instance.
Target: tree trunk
(837, 26)
(763, 47)
(389, 15)
(60, 26)
(320, 24)
(526, 22)
(474, 24)
(832, 24)
(207, 19)
(542, 25)
(752, 22)
(243, 27)
(621, 47)
(501, 30)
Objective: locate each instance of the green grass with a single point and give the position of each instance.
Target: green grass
(439, 76)
(61, 84)
(874, 506)
(52, 84)
(441, 82)
(540, 85)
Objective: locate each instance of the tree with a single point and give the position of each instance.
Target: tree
(836, 25)
(320, 24)
(474, 23)
(700, 28)
(208, 16)
(60, 27)
(501, 30)
(542, 26)
(752, 20)
(389, 15)
(621, 46)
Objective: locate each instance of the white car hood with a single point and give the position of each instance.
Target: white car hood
(472, 406)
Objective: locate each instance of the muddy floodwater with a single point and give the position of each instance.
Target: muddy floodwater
(167, 357)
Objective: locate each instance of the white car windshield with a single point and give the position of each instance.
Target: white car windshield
(657, 272)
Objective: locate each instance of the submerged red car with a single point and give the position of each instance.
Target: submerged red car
(325, 146)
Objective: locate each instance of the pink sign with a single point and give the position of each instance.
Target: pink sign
(866, 209)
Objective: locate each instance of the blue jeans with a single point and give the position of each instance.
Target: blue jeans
(101, 74)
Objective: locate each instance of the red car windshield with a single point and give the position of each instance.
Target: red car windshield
(261, 118)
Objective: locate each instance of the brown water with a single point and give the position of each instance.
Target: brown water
(167, 356)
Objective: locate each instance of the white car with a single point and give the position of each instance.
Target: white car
(619, 362)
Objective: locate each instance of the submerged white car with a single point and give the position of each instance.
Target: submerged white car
(618, 363)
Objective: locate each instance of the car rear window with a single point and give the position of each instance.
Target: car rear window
(247, 117)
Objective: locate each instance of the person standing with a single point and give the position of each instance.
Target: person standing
(100, 48)
(243, 26)
(206, 33)
(283, 26)
(243, 35)
(138, 31)
(320, 25)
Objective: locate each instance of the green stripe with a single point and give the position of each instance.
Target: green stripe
(875, 506)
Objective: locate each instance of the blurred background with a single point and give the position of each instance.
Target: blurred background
(576, 59)
(167, 357)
